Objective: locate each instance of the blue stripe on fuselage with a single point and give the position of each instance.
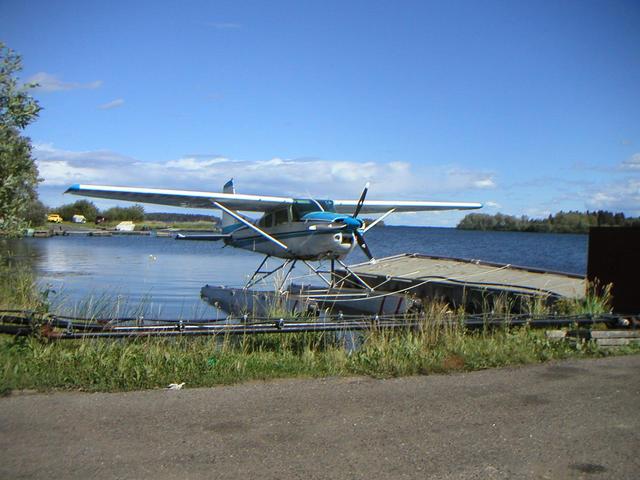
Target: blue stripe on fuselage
(322, 216)
(329, 217)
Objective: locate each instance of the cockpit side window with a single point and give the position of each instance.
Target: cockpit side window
(277, 217)
(282, 216)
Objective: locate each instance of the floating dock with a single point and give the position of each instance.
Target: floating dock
(305, 299)
(465, 282)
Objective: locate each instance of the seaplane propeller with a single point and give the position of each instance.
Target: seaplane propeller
(357, 232)
(354, 225)
(351, 225)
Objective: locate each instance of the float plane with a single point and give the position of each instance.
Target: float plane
(294, 229)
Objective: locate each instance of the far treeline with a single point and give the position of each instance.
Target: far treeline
(91, 212)
(179, 217)
(561, 222)
(134, 213)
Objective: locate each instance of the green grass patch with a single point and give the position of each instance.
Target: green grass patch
(18, 288)
(133, 364)
(159, 225)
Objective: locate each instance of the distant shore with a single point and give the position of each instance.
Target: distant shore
(561, 222)
(158, 228)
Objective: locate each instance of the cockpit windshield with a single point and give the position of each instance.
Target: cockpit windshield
(303, 206)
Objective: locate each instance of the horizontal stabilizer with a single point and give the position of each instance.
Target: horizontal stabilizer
(212, 237)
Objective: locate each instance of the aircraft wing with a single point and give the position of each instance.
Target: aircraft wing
(249, 203)
(181, 198)
(381, 206)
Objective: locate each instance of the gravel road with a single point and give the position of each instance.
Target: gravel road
(572, 419)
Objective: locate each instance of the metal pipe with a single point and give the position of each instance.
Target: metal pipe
(80, 328)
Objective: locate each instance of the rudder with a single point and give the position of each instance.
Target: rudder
(228, 220)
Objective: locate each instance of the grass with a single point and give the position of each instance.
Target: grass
(437, 345)
(151, 362)
(159, 225)
(18, 288)
(596, 301)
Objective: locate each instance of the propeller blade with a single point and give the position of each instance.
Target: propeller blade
(363, 245)
(361, 201)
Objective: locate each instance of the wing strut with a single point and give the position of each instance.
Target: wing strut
(250, 225)
(382, 217)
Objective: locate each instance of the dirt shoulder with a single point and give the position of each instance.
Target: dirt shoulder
(573, 419)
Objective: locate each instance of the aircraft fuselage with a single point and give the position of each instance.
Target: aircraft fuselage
(303, 242)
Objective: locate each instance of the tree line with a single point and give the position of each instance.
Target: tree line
(180, 217)
(561, 222)
(134, 213)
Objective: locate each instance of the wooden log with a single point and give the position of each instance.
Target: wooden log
(615, 334)
(556, 334)
(616, 342)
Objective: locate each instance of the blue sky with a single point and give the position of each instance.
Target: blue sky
(528, 107)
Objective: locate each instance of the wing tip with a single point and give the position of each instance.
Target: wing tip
(73, 188)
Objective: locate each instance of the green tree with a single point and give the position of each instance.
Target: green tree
(81, 207)
(134, 213)
(561, 222)
(36, 213)
(18, 171)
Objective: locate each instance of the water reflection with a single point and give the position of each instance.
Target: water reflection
(16, 251)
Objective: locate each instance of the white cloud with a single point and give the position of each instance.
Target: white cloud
(620, 196)
(277, 176)
(118, 102)
(47, 152)
(632, 163)
(48, 82)
(57, 172)
(484, 183)
(195, 164)
(492, 204)
(468, 179)
(62, 167)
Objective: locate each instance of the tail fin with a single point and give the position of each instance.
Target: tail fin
(228, 220)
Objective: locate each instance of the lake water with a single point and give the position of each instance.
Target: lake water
(163, 276)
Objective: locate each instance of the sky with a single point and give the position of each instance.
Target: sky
(528, 107)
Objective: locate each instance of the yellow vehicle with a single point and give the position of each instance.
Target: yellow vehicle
(54, 217)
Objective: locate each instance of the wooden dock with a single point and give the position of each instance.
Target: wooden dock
(469, 282)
